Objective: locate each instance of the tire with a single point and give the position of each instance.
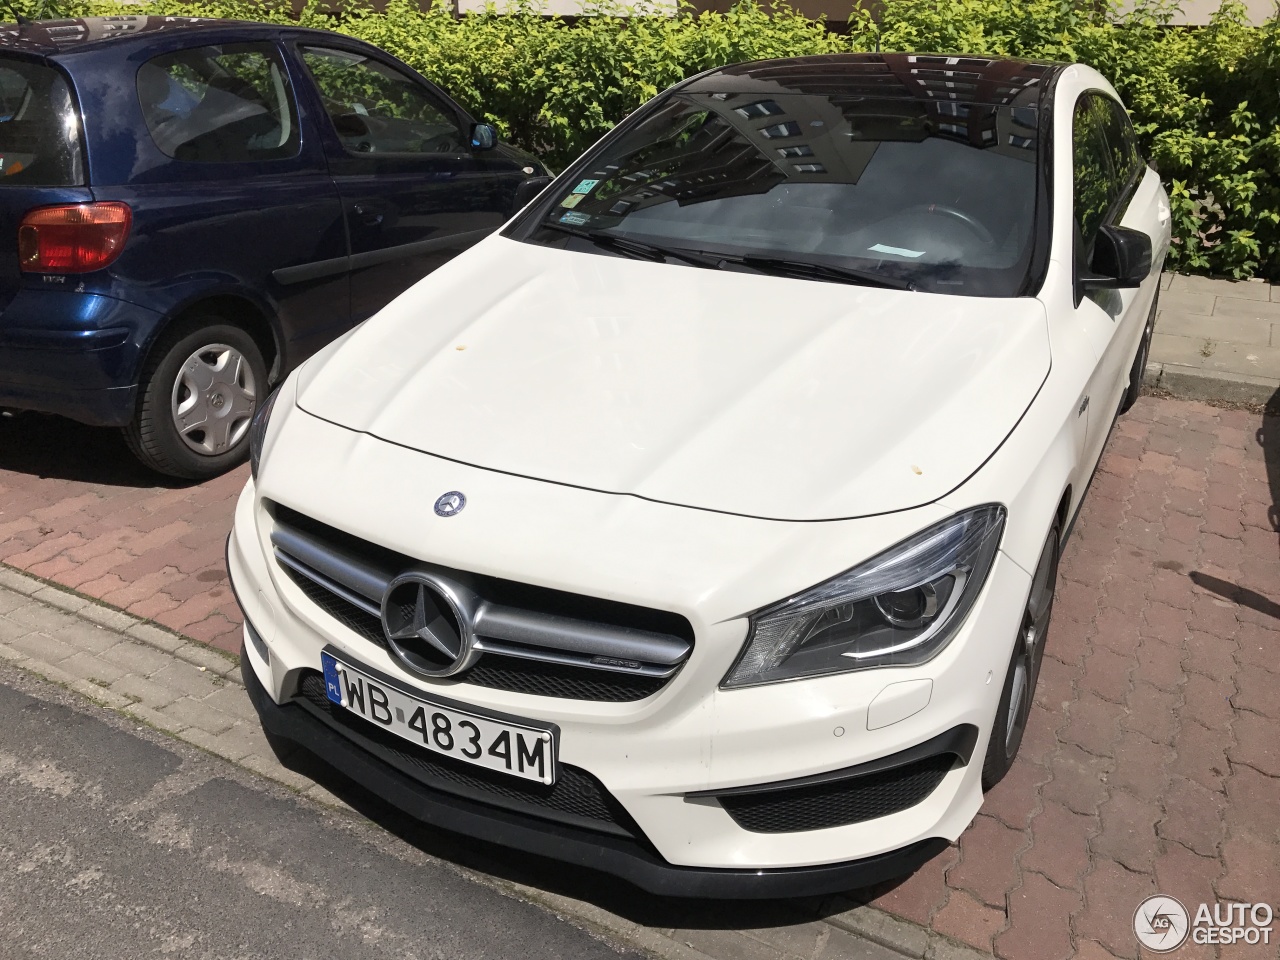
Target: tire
(1139, 369)
(203, 372)
(1024, 665)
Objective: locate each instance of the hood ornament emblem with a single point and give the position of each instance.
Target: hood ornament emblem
(450, 503)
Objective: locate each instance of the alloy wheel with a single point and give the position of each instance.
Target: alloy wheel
(1026, 667)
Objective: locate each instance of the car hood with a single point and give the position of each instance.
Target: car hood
(763, 396)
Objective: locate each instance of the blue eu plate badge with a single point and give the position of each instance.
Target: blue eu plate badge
(332, 685)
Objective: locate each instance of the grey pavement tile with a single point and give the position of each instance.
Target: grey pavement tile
(212, 660)
(1207, 354)
(11, 600)
(234, 701)
(1184, 302)
(1165, 280)
(10, 630)
(41, 616)
(1241, 289)
(88, 636)
(940, 949)
(795, 939)
(729, 943)
(881, 927)
(61, 599)
(840, 945)
(145, 691)
(186, 679)
(18, 581)
(43, 648)
(1231, 330)
(154, 717)
(88, 667)
(195, 713)
(1233, 308)
(137, 657)
(149, 633)
(244, 738)
(102, 695)
(111, 619)
(10, 654)
(269, 766)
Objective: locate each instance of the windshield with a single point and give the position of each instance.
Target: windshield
(926, 194)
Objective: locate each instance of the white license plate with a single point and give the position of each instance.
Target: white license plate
(485, 741)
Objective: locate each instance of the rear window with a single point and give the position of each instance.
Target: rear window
(225, 104)
(39, 128)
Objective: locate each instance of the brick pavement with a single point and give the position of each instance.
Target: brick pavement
(78, 510)
(1152, 762)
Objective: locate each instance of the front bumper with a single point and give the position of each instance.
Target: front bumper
(366, 762)
(665, 758)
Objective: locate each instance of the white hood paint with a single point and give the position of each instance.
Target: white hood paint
(763, 396)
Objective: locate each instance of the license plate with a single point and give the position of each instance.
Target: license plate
(486, 741)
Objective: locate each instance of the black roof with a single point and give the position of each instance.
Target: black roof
(897, 76)
(49, 37)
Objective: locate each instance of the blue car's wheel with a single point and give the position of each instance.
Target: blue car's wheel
(200, 389)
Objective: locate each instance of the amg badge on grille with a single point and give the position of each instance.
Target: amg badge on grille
(450, 503)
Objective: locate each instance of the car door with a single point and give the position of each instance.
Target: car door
(1109, 187)
(413, 193)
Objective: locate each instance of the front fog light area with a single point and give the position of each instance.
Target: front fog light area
(899, 608)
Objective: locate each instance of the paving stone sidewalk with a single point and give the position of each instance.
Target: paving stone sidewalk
(1152, 762)
(1216, 340)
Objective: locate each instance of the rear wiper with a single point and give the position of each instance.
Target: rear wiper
(821, 271)
(638, 248)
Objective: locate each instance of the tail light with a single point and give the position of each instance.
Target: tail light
(72, 237)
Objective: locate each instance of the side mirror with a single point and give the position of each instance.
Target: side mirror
(483, 137)
(351, 125)
(1121, 259)
(527, 190)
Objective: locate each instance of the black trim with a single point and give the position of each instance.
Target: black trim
(959, 741)
(630, 860)
(304, 272)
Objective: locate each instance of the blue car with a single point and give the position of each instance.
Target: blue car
(189, 208)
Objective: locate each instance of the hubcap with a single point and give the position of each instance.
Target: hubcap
(1026, 667)
(214, 399)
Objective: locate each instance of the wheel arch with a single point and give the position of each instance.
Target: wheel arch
(236, 307)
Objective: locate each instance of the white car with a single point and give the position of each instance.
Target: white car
(701, 526)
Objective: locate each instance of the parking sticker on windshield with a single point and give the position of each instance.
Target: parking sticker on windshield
(572, 200)
(896, 251)
(585, 186)
(577, 219)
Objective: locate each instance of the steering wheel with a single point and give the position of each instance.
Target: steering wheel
(981, 232)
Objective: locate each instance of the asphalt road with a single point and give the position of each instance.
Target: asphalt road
(116, 842)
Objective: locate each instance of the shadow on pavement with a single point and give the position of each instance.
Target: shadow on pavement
(42, 445)
(578, 883)
(1268, 437)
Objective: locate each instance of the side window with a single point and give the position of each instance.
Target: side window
(376, 109)
(225, 104)
(1121, 144)
(1092, 193)
(39, 127)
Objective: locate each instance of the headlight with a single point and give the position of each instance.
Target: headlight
(258, 431)
(899, 608)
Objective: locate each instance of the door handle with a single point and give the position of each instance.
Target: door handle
(370, 218)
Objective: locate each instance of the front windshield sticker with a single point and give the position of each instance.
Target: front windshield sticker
(586, 186)
(577, 219)
(572, 200)
(896, 251)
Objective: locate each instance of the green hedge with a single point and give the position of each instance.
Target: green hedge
(1205, 101)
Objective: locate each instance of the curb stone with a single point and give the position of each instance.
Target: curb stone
(878, 934)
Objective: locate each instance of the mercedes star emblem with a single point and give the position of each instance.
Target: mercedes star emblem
(450, 503)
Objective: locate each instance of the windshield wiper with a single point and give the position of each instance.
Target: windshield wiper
(821, 271)
(638, 248)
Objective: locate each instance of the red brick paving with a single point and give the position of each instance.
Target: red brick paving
(77, 510)
(1152, 763)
